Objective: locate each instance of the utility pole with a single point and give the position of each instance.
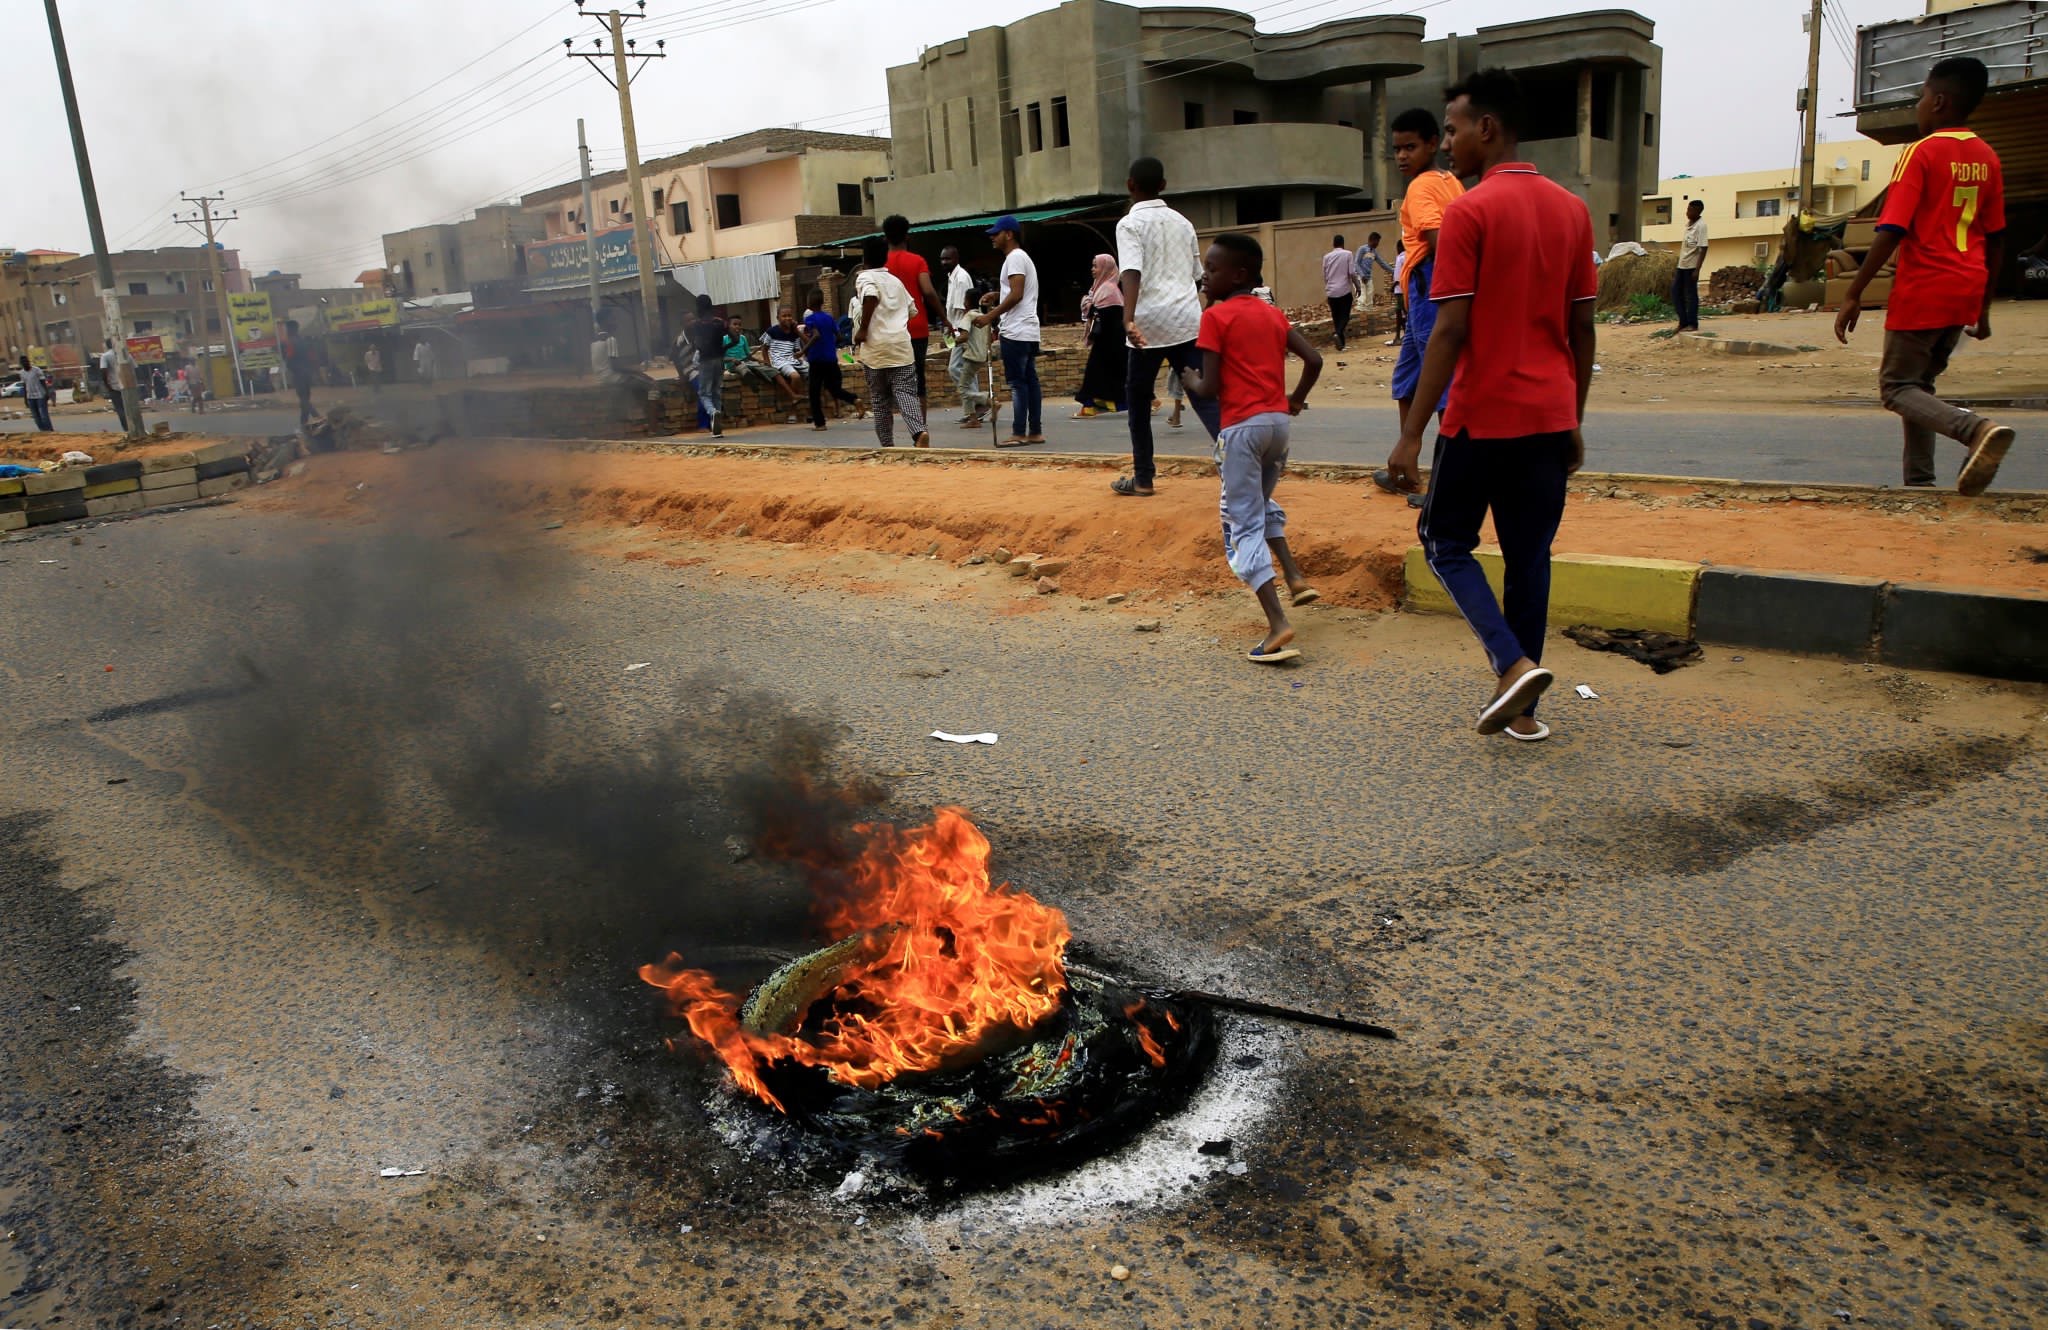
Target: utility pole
(621, 77)
(1809, 100)
(205, 221)
(103, 258)
(589, 231)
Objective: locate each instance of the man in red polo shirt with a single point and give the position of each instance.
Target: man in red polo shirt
(1514, 289)
(1944, 215)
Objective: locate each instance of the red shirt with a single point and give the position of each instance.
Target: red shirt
(1521, 249)
(906, 267)
(1947, 194)
(1251, 337)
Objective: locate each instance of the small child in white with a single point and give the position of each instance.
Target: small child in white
(1244, 344)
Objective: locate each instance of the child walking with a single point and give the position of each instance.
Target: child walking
(1944, 216)
(976, 346)
(1244, 343)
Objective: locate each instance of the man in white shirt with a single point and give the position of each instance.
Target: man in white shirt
(1685, 283)
(1337, 273)
(1161, 263)
(1016, 320)
(110, 375)
(423, 360)
(881, 342)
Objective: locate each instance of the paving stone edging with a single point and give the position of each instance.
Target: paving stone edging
(125, 485)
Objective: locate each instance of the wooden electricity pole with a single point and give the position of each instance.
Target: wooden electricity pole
(1810, 103)
(205, 221)
(621, 77)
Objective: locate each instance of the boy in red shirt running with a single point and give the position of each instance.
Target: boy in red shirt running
(1244, 344)
(1514, 289)
(1945, 216)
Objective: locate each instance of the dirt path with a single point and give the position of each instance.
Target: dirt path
(1349, 537)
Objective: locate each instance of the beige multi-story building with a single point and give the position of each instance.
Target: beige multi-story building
(1252, 127)
(1746, 211)
(426, 260)
(52, 299)
(760, 193)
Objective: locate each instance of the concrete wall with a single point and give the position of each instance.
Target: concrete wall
(435, 256)
(1295, 249)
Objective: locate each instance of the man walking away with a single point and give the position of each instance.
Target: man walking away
(916, 276)
(35, 391)
(423, 360)
(1338, 267)
(1244, 343)
(110, 376)
(821, 353)
(1685, 283)
(1514, 290)
(1016, 322)
(1944, 215)
(882, 342)
(298, 365)
(1161, 265)
(1429, 191)
(707, 334)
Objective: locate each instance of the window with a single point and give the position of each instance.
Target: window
(1768, 207)
(850, 201)
(1603, 104)
(213, 323)
(206, 285)
(1034, 129)
(728, 209)
(571, 214)
(615, 205)
(946, 134)
(1244, 117)
(658, 194)
(430, 258)
(582, 228)
(1060, 137)
(1763, 249)
(1657, 212)
(1257, 205)
(138, 288)
(1649, 130)
(973, 148)
(679, 217)
(1866, 168)
(143, 325)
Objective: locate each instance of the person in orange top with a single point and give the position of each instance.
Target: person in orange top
(1944, 216)
(1430, 190)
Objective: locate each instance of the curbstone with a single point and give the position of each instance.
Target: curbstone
(1606, 590)
(67, 506)
(1965, 629)
(226, 466)
(108, 471)
(220, 452)
(220, 485)
(13, 521)
(184, 475)
(51, 482)
(168, 462)
(169, 495)
(10, 485)
(1808, 613)
(129, 502)
(126, 485)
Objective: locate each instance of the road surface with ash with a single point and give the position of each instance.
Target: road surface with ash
(332, 848)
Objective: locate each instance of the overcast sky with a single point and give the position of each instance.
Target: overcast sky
(327, 124)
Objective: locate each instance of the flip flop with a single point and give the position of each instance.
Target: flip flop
(1517, 698)
(1272, 657)
(1034, 438)
(1014, 441)
(1128, 487)
(1308, 595)
(1542, 733)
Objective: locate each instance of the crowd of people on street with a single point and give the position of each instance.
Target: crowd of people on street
(1494, 290)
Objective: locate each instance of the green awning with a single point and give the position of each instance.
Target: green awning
(981, 223)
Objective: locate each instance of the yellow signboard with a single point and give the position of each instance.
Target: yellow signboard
(255, 331)
(363, 316)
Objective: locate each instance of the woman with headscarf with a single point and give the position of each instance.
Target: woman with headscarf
(1102, 309)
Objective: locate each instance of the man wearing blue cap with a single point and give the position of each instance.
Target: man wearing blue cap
(1016, 320)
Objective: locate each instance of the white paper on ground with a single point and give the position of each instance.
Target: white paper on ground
(401, 1172)
(638, 665)
(964, 738)
(1586, 692)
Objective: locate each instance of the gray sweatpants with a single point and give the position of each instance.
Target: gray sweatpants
(1913, 360)
(1250, 456)
(895, 387)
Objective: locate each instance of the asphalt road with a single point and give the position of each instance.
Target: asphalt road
(332, 850)
(1850, 447)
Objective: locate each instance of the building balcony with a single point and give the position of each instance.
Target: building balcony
(1344, 51)
(1261, 156)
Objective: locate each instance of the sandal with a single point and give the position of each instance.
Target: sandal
(1086, 413)
(1014, 441)
(1034, 438)
(1274, 657)
(1513, 700)
(1128, 487)
(1307, 595)
(1537, 735)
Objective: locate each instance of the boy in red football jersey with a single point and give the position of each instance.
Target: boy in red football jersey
(1944, 215)
(1244, 344)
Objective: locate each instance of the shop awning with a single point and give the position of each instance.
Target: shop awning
(981, 223)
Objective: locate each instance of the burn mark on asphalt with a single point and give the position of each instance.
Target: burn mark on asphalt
(177, 701)
(100, 1149)
(1737, 823)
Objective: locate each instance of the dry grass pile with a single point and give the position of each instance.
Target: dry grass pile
(1627, 276)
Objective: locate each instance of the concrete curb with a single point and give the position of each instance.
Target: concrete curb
(1965, 630)
(1606, 590)
(1740, 347)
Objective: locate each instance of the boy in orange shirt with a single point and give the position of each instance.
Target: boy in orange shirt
(1430, 189)
(1244, 344)
(1944, 216)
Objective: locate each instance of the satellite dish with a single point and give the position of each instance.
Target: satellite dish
(1841, 163)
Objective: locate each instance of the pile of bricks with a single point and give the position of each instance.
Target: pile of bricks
(123, 487)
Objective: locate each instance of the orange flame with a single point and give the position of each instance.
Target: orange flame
(1151, 1046)
(954, 961)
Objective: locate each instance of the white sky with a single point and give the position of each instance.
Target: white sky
(266, 99)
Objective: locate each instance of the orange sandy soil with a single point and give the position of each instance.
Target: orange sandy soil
(100, 447)
(1349, 538)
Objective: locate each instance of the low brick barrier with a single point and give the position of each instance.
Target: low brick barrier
(126, 486)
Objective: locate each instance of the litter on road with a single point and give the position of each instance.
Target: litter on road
(1585, 691)
(638, 665)
(401, 1172)
(964, 738)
